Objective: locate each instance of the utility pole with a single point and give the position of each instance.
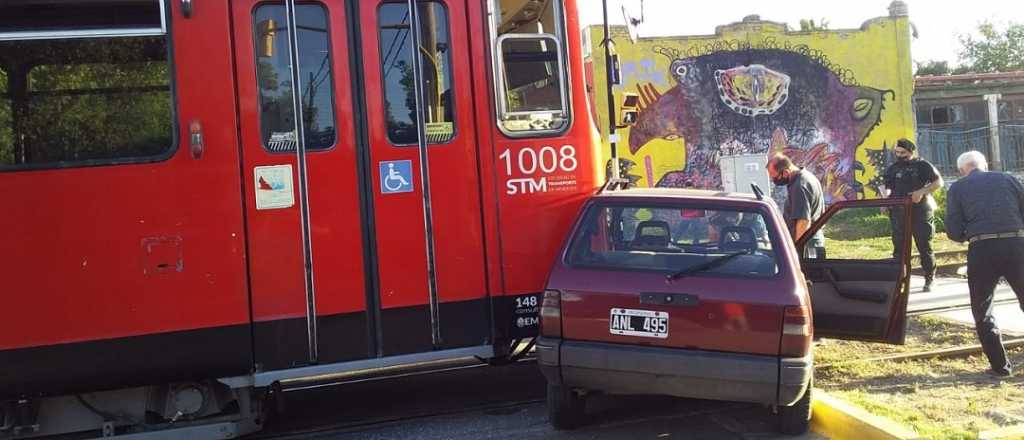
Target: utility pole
(613, 137)
(993, 130)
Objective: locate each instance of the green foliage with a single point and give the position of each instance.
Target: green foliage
(808, 25)
(996, 49)
(84, 99)
(922, 425)
(857, 224)
(932, 67)
(940, 212)
(6, 125)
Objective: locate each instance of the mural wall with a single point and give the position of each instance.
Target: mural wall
(835, 101)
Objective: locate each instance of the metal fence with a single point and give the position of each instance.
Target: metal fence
(942, 145)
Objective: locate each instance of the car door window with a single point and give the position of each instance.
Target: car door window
(861, 233)
(859, 287)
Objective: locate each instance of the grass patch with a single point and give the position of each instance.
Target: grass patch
(944, 398)
(911, 418)
(872, 248)
(866, 233)
(857, 224)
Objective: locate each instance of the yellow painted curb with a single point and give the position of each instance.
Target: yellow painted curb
(839, 420)
(1007, 433)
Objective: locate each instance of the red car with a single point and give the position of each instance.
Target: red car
(702, 295)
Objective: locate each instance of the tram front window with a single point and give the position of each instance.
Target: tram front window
(531, 76)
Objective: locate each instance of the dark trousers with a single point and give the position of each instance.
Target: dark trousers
(987, 260)
(922, 222)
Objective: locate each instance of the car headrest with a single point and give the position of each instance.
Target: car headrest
(652, 233)
(737, 238)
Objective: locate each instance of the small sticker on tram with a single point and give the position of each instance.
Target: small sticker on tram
(274, 189)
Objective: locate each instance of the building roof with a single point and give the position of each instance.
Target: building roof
(969, 79)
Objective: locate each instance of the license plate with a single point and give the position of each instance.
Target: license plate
(646, 323)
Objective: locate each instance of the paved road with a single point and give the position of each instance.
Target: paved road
(952, 291)
(501, 403)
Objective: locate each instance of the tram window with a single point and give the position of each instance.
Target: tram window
(83, 86)
(96, 16)
(277, 114)
(531, 77)
(6, 132)
(397, 73)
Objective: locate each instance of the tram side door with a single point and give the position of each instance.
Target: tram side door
(400, 230)
(364, 231)
(281, 294)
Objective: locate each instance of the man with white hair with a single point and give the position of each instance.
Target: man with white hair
(987, 209)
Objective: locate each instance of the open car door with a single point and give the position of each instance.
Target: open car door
(860, 291)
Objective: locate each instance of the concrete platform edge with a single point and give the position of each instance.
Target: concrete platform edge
(836, 419)
(1009, 432)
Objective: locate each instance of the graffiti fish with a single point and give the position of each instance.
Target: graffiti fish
(744, 101)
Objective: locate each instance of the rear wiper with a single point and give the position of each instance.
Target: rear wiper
(707, 265)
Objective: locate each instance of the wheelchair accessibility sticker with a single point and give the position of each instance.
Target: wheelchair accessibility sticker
(396, 177)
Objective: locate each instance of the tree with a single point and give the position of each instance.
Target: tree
(932, 67)
(995, 49)
(807, 25)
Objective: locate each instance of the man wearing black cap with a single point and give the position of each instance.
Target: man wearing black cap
(912, 176)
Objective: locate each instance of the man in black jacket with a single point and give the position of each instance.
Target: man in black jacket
(915, 177)
(987, 209)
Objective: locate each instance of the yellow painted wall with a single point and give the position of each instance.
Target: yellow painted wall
(876, 56)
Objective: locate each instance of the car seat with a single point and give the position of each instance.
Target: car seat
(737, 238)
(651, 234)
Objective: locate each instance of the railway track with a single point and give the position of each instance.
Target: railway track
(949, 263)
(955, 307)
(348, 427)
(322, 409)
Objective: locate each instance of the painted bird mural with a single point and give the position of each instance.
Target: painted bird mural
(760, 101)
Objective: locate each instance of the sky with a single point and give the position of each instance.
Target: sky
(938, 22)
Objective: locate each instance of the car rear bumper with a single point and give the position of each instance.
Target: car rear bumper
(627, 369)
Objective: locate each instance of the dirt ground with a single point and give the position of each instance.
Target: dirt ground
(940, 398)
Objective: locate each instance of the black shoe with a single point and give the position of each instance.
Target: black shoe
(927, 285)
(1001, 374)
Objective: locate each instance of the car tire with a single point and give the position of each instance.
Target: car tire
(796, 419)
(565, 407)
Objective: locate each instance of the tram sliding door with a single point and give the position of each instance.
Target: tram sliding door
(359, 219)
(400, 231)
(281, 293)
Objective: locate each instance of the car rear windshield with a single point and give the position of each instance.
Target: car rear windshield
(674, 239)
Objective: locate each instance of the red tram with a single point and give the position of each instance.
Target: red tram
(192, 221)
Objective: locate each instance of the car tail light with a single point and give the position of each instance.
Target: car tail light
(796, 332)
(551, 314)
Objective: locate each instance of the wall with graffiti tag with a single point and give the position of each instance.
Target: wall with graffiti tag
(835, 101)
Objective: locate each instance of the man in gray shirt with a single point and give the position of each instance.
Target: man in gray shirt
(987, 209)
(804, 201)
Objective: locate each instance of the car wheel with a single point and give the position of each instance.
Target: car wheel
(796, 419)
(565, 407)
